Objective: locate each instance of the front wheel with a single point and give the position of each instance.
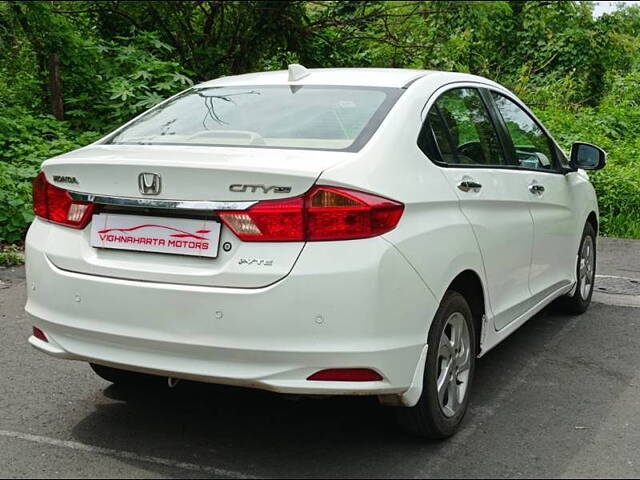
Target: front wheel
(585, 274)
(448, 373)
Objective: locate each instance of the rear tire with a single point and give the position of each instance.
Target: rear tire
(120, 377)
(579, 302)
(448, 373)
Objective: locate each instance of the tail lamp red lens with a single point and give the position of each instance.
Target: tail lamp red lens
(346, 375)
(39, 334)
(56, 205)
(324, 213)
(268, 221)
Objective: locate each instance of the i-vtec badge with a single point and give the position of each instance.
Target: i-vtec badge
(240, 188)
(65, 179)
(255, 261)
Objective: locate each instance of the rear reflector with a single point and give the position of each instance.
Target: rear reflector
(56, 205)
(39, 334)
(346, 375)
(324, 213)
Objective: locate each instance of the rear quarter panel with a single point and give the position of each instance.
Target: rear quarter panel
(433, 235)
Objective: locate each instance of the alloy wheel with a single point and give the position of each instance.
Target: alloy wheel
(587, 267)
(454, 364)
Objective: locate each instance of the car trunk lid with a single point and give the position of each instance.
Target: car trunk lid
(189, 176)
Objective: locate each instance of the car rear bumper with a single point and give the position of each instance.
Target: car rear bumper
(354, 304)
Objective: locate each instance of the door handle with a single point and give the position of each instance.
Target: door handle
(536, 188)
(469, 185)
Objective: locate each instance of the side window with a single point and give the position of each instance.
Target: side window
(458, 130)
(531, 146)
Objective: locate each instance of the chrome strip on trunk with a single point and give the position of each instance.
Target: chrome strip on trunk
(154, 203)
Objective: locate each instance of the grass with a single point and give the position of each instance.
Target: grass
(10, 255)
(621, 226)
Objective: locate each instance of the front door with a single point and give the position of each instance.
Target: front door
(554, 247)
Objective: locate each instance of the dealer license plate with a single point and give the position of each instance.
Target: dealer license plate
(181, 236)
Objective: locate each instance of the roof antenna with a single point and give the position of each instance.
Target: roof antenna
(297, 72)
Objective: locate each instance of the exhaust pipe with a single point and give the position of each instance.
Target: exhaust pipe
(172, 382)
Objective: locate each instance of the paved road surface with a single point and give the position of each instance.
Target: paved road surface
(561, 397)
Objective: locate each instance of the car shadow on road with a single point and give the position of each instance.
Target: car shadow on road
(539, 395)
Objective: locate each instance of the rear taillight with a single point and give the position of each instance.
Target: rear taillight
(268, 221)
(56, 205)
(324, 213)
(337, 214)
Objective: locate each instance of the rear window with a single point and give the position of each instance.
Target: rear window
(302, 117)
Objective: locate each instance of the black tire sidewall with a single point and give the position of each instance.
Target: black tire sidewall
(442, 425)
(581, 303)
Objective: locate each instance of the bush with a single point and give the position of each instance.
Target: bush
(26, 140)
(129, 77)
(618, 191)
(615, 126)
(10, 256)
(15, 201)
(126, 78)
(578, 73)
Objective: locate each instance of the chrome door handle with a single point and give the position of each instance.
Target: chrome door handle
(468, 185)
(536, 189)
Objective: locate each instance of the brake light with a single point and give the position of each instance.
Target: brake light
(324, 213)
(56, 205)
(269, 221)
(337, 214)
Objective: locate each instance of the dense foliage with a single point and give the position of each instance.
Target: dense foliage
(72, 71)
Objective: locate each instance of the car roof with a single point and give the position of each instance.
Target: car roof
(368, 77)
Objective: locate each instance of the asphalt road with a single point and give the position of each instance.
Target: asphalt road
(560, 398)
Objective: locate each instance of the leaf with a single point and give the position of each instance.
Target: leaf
(142, 74)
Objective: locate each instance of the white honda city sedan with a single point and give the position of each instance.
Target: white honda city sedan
(322, 232)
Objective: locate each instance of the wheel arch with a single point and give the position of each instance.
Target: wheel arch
(592, 218)
(469, 284)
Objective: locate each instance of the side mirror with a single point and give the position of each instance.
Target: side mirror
(587, 156)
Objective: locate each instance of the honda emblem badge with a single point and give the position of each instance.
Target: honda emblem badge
(149, 183)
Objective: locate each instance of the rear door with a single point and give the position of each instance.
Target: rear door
(548, 189)
(461, 137)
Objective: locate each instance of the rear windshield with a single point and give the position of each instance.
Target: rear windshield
(306, 117)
